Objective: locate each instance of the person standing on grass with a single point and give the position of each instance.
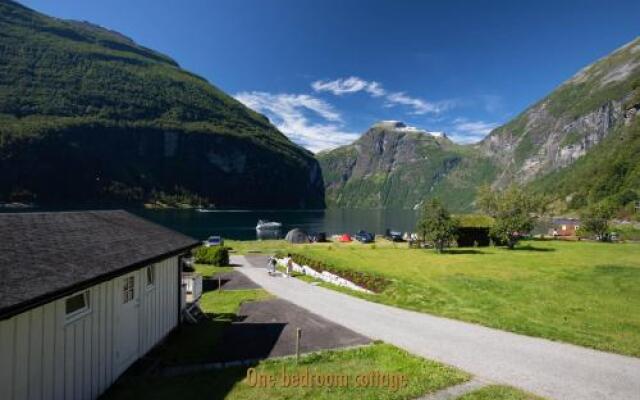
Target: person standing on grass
(289, 265)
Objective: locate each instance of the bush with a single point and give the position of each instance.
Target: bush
(214, 255)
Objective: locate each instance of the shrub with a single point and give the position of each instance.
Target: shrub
(214, 255)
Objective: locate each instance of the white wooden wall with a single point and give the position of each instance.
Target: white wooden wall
(42, 356)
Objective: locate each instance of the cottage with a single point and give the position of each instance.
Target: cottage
(564, 227)
(474, 230)
(82, 296)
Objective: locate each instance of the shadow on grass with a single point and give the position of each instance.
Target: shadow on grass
(218, 338)
(212, 385)
(529, 247)
(463, 251)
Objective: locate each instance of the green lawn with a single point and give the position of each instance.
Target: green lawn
(497, 392)
(580, 292)
(423, 376)
(208, 271)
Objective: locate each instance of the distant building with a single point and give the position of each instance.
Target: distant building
(82, 296)
(564, 227)
(474, 230)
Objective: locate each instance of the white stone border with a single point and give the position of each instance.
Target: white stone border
(323, 276)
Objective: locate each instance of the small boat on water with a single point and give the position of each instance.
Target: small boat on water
(268, 225)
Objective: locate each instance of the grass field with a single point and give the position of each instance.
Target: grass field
(423, 376)
(208, 271)
(497, 392)
(584, 293)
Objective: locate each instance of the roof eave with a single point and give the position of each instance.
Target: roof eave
(19, 308)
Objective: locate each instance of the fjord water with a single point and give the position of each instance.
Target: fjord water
(241, 224)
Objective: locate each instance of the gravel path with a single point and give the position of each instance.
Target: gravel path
(456, 391)
(550, 369)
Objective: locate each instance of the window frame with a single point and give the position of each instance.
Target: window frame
(128, 289)
(150, 284)
(81, 312)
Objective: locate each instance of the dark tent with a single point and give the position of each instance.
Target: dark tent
(297, 236)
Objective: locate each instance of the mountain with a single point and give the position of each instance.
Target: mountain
(396, 166)
(578, 145)
(87, 114)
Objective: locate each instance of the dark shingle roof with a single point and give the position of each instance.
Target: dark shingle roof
(49, 254)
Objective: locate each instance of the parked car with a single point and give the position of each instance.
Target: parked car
(394, 236)
(213, 241)
(364, 237)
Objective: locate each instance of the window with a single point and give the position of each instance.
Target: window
(151, 276)
(128, 289)
(76, 305)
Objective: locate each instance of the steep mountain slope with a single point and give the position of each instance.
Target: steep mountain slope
(87, 114)
(609, 173)
(395, 166)
(578, 145)
(569, 122)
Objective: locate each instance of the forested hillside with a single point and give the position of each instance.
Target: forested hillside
(86, 114)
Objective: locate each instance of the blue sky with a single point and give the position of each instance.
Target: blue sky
(324, 71)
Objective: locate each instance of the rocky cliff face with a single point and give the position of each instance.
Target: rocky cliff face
(568, 123)
(141, 165)
(573, 133)
(396, 166)
(88, 115)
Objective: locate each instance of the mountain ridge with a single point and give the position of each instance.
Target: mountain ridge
(86, 114)
(599, 101)
(385, 168)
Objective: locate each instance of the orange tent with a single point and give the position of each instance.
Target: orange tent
(345, 238)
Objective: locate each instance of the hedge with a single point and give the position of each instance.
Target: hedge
(214, 255)
(372, 282)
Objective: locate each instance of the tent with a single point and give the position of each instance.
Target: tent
(297, 236)
(345, 238)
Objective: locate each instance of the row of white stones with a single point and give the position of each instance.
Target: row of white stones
(323, 276)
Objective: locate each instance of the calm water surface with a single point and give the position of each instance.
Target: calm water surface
(241, 224)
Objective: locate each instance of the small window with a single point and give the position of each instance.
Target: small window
(77, 304)
(128, 289)
(151, 275)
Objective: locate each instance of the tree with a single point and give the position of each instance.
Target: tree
(514, 212)
(595, 220)
(436, 225)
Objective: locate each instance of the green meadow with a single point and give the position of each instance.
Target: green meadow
(584, 293)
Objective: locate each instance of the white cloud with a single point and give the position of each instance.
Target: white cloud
(351, 84)
(465, 131)
(354, 84)
(419, 106)
(289, 113)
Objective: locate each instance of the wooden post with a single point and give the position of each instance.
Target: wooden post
(298, 336)
(219, 283)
